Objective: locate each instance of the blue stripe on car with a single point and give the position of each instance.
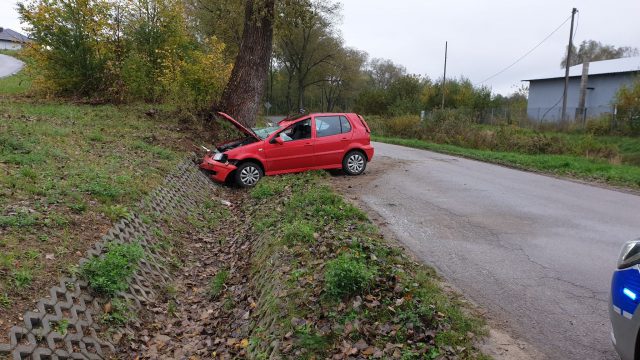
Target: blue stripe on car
(625, 285)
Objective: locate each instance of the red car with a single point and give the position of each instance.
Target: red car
(309, 142)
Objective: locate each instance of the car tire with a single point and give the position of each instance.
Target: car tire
(354, 163)
(248, 174)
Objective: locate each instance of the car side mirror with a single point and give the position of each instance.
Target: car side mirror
(277, 140)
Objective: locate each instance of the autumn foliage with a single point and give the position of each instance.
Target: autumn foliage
(122, 51)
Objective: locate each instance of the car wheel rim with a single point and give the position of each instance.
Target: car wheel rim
(355, 164)
(249, 175)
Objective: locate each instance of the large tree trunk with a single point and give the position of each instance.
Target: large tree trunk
(243, 94)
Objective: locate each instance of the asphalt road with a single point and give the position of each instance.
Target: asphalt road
(535, 251)
(9, 65)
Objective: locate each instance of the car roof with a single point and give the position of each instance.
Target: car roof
(291, 120)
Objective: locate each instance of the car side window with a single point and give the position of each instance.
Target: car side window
(298, 131)
(346, 126)
(328, 125)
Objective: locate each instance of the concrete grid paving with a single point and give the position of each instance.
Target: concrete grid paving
(71, 301)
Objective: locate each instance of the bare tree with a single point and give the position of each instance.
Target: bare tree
(384, 72)
(305, 42)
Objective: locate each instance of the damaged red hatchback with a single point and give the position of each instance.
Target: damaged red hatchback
(309, 142)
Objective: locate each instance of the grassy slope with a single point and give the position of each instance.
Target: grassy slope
(333, 283)
(579, 167)
(66, 172)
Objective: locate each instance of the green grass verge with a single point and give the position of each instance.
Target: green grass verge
(13, 85)
(573, 166)
(325, 277)
(66, 172)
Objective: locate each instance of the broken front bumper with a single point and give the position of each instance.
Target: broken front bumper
(217, 171)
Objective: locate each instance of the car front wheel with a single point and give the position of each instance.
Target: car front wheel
(354, 163)
(248, 174)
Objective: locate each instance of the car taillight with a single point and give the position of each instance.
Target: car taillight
(364, 123)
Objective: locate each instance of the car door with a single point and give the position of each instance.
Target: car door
(295, 153)
(333, 135)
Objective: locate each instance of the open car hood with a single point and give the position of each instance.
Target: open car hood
(239, 126)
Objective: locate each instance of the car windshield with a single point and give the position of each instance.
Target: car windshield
(263, 133)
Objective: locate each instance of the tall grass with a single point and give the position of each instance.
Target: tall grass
(567, 165)
(449, 127)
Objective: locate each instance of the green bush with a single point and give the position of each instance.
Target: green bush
(599, 126)
(403, 126)
(109, 274)
(151, 58)
(628, 102)
(347, 275)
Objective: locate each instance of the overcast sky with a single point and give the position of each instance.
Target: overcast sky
(484, 36)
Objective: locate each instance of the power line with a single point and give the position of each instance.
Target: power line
(527, 53)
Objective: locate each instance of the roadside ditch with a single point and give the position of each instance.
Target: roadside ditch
(290, 270)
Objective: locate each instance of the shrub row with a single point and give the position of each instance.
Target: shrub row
(453, 128)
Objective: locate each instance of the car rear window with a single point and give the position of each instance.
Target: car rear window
(346, 126)
(331, 125)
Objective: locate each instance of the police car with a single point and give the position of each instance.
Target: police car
(625, 296)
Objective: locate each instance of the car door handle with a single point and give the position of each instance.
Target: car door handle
(308, 144)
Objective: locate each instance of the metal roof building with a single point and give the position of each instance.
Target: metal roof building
(605, 79)
(11, 40)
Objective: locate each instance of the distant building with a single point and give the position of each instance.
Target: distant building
(11, 40)
(605, 79)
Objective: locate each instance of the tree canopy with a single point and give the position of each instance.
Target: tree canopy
(591, 50)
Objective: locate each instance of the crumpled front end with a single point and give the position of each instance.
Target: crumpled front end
(218, 171)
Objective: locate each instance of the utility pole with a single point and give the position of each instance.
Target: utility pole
(566, 70)
(444, 77)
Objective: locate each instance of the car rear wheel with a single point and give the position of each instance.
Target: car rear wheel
(354, 163)
(248, 174)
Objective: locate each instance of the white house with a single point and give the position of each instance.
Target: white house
(11, 40)
(604, 80)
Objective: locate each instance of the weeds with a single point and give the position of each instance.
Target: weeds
(172, 307)
(347, 276)
(298, 232)
(265, 190)
(103, 190)
(5, 302)
(61, 326)
(20, 220)
(78, 207)
(22, 278)
(96, 137)
(109, 274)
(217, 284)
(116, 212)
(119, 313)
(155, 150)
